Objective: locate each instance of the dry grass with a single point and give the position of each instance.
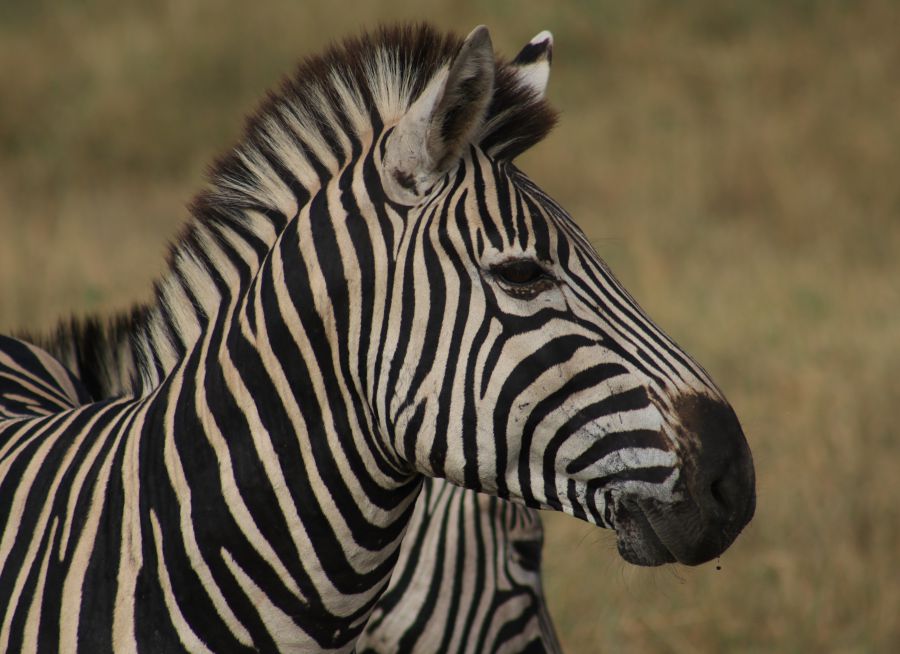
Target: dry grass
(737, 163)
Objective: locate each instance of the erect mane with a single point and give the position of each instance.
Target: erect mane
(302, 134)
(364, 82)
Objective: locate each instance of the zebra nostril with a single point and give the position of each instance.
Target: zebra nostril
(722, 479)
(718, 493)
(724, 494)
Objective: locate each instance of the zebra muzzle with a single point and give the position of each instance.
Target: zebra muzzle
(714, 499)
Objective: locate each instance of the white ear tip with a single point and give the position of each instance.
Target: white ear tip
(543, 36)
(538, 51)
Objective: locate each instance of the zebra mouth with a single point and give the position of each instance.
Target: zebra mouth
(638, 542)
(651, 533)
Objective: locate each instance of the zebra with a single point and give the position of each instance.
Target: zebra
(370, 227)
(499, 605)
(499, 542)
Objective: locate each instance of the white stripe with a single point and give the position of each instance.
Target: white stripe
(186, 635)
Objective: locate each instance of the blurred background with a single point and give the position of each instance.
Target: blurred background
(736, 163)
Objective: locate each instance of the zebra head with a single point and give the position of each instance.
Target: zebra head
(517, 363)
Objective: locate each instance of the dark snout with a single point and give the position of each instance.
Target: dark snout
(719, 479)
(716, 490)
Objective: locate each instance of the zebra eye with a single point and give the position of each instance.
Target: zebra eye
(520, 272)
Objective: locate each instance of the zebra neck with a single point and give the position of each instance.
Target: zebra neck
(267, 183)
(304, 459)
(210, 270)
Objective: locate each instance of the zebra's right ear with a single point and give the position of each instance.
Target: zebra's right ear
(431, 136)
(532, 64)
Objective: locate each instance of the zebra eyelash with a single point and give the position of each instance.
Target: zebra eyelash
(523, 277)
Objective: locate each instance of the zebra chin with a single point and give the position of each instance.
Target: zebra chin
(712, 501)
(649, 533)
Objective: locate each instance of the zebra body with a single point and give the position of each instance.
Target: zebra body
(468, 575)
(370, 292)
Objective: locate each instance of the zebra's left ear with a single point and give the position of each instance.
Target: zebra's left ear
(532, 64)
(440, 123)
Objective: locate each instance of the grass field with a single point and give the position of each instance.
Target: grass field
(737, 163)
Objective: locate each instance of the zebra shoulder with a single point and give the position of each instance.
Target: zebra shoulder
(34, 383)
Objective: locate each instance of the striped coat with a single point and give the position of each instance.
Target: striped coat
(370, 292)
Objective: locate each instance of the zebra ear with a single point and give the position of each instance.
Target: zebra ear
(431, 136)
(532, 64)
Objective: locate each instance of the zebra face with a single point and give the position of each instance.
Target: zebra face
(530, 372)
(618, 426)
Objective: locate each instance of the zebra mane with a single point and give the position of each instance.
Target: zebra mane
(364, 82)
(303, 134)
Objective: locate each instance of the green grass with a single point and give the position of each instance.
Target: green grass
(736, 163)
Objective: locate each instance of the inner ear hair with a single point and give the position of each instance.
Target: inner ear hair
(439, 125)
(467, 93)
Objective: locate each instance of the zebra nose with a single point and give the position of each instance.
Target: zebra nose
(719, 475)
